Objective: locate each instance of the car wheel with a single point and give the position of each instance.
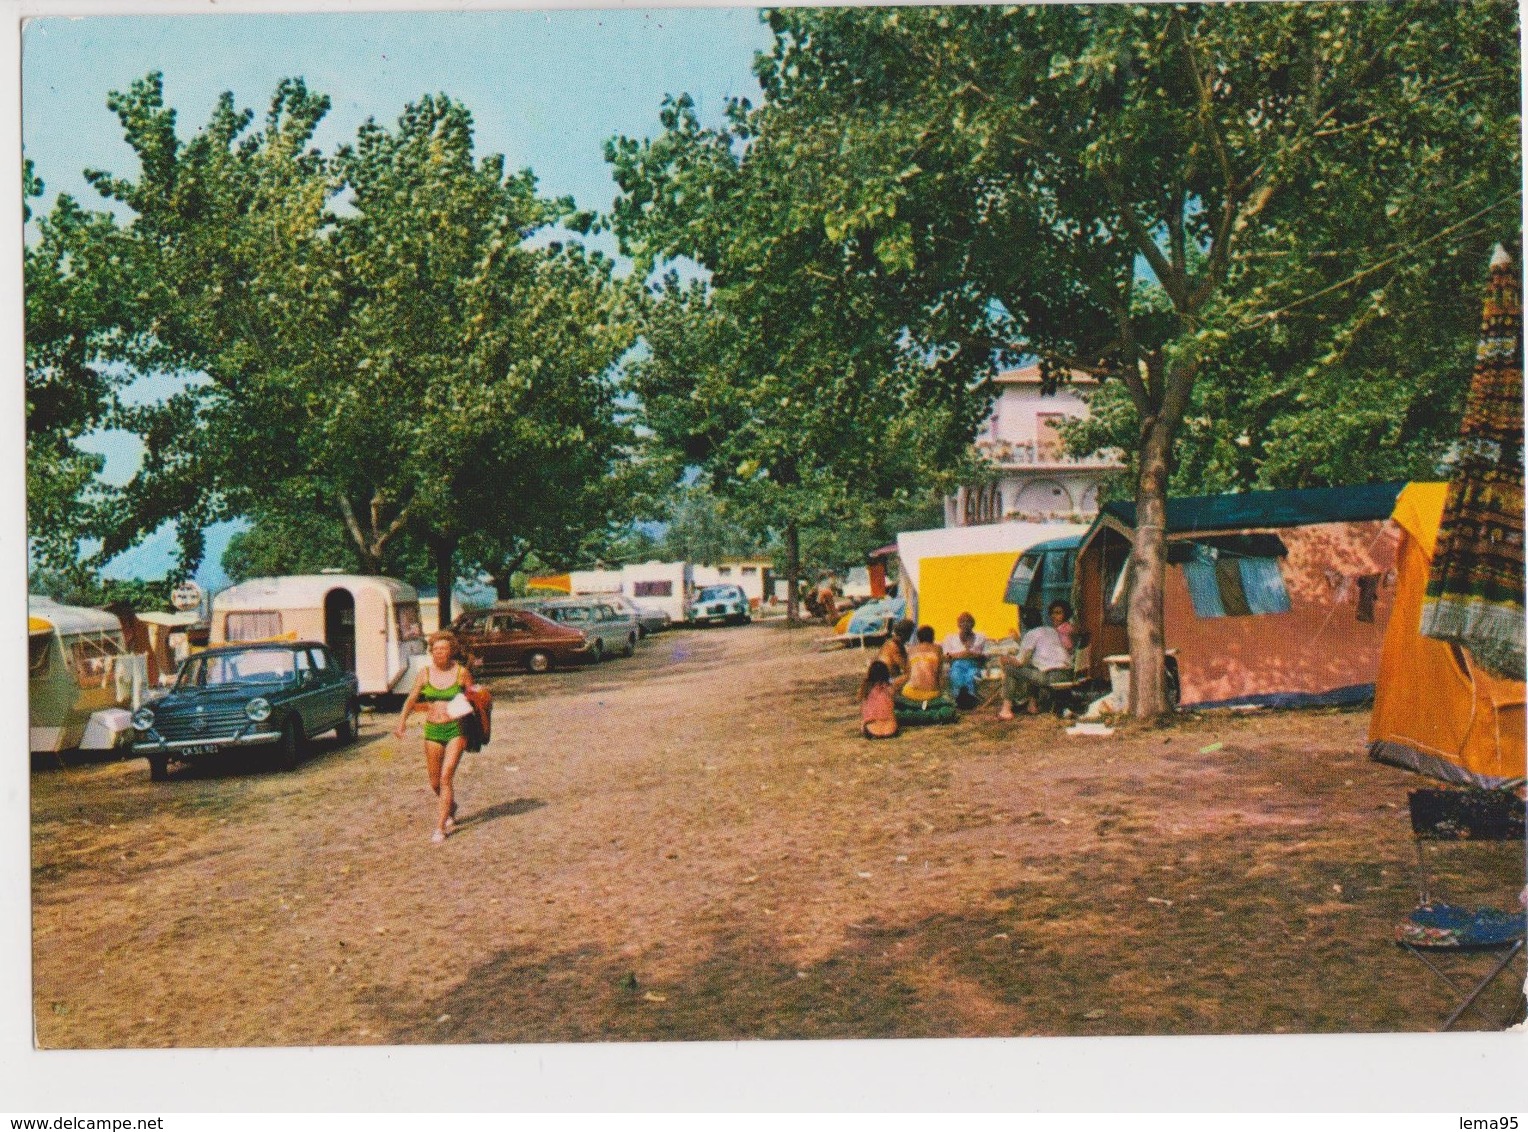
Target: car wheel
(539, 662)
(631, 645)
(159, 768)
(289, 749)
(350, 726)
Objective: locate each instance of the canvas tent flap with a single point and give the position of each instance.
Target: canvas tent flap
(1435, 711)
(1419, 511)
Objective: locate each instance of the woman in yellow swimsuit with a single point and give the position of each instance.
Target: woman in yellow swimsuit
(439, 684)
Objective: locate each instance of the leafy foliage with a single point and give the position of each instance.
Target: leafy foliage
(1215, 205)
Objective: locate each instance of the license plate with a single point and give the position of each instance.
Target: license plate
(200, 749)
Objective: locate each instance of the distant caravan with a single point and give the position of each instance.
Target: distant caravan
(371, 624)
(81, 680)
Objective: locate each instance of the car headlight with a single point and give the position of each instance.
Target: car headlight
(258, 709)
(143, 719)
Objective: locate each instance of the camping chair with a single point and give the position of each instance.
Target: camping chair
(1441, 934)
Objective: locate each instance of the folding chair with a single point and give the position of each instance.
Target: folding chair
(1439, 933)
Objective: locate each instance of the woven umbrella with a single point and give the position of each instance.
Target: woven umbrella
(1475, 592)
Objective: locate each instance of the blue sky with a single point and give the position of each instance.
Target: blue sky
(546, 90)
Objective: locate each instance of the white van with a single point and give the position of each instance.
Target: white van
(370, 624)
(80, 678)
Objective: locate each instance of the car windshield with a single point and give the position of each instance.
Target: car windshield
(250, 666)
(717, 593)
(572, 613)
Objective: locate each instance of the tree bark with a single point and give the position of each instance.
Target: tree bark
(444, 551)
(792, 572)
(1148, 572)
(502, 586)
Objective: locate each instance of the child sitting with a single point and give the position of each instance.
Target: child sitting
(878, 715)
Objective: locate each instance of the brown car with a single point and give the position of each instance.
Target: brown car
(500, 639)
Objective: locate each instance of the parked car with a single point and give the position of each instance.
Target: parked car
(650, 619)
(725, 605)
(275, 694)
(509, 637)
(611, 630)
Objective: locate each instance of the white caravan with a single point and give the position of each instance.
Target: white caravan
(370, 624)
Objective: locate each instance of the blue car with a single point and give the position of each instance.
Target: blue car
(274, 695)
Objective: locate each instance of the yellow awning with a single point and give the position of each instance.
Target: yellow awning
(560, 582)
(38, 625)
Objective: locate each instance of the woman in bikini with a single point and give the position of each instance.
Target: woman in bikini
(439, 684)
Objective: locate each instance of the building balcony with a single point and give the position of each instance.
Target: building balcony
(1017, 454)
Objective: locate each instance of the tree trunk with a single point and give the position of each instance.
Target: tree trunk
(502, 585)
(792, 571)
(445, 571)
(1148, 571)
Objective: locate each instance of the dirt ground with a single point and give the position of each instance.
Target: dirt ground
(695, 844)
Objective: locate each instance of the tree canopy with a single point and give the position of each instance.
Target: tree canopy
(1153, 194)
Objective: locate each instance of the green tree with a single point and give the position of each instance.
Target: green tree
(498, 354)
(78, 311)
(1126, 189)
(237, 293)
(410, 361)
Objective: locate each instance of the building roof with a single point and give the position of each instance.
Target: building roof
(1030, 375)
(1289, 508)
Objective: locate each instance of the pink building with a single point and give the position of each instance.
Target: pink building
(1037, 480)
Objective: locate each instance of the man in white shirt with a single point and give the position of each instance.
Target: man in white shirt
(966, 651)
(1045, 658)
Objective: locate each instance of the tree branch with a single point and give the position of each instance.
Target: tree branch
(1264, 319)
(1172, 281)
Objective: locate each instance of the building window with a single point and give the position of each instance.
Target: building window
(750, 570)
(1228, 585)
(724, 571)
(983, 504)
(256, 626)
(652, 589)
(1049, 447)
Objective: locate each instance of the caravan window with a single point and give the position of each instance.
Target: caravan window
(407, 616)
(258, 625)
(652, 589)
(39, 653)
(1223, 584)
(91, 660)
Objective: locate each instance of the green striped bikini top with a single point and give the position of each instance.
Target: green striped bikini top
(449, 692)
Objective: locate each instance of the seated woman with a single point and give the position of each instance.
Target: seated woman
(878, 713)
(1045, 659)
(919, 700)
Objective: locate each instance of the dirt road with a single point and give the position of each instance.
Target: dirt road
(695, 844)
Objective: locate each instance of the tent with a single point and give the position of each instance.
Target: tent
(1273, 598)
(1435, 710)
(955, 570)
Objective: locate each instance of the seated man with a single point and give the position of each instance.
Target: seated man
(918, 700)
(966, 650)
(1045, 658)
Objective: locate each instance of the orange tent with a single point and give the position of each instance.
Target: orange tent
(1435, 710)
